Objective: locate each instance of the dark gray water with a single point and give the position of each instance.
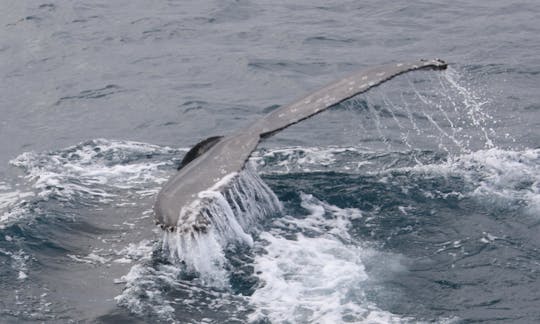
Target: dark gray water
(418, 201)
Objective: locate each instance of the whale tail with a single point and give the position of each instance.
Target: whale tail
(336, 93)
(208, 166)
(199, 149)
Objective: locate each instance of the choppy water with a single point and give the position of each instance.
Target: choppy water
(418, 201)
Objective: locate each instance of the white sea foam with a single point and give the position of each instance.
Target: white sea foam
(18, 262)
(148, 283)
(311, 159)
(143, 292)
(318, 277)
(98, 171)
(87, 168)
(498, 177)
(136, 251)
(91, 258)
(147, 293)
(504, 176)
(8, 197)
(10, 204)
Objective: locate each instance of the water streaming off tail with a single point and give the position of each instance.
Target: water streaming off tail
(233, 215)
(435, 113)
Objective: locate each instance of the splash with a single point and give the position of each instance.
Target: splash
(438, 112)
(233, 215)
(474, 104)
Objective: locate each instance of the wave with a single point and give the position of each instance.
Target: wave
(493, 175)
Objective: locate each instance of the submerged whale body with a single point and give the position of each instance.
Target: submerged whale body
(213, 162)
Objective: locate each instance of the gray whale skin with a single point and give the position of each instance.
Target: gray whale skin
(212, 163)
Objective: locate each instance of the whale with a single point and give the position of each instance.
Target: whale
(215, 161)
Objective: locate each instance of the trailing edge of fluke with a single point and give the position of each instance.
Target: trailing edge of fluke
(211, 164)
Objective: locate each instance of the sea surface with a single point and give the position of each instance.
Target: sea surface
(418, 201)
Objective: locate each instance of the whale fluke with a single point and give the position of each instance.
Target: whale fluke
(210, 164)
(199, 149)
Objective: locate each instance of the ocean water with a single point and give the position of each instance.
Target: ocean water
(418, 201)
